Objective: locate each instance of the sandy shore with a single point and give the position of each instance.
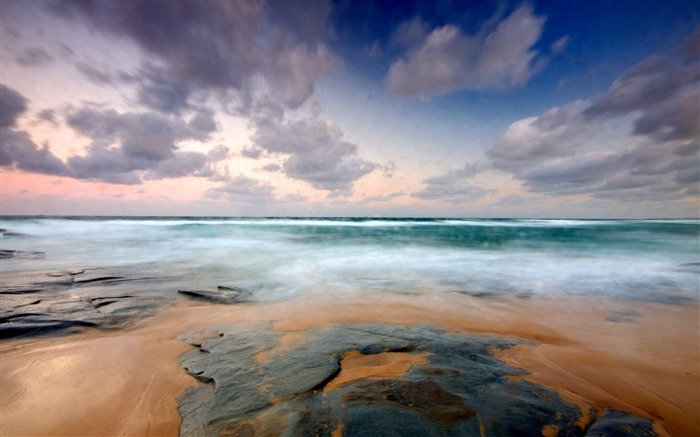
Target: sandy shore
(125, 383)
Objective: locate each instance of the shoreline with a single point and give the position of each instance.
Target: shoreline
(130, 378)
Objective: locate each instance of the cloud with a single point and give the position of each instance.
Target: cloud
(409, 34)
(452, 193)
(309, 18)
(127, 148)
(47, 115)
(292, 73)
(374, 50)
(252, 152)
(161, 92)
(33, 57)
(384, 198)
(559, 45)
(218, 153)
(21, 153)
(12, 105)
(388, 169)
(662, 88)
(445, 59)
(217, 46)
(18, 149)
(454, 185)
(242, 189)
(315, 152)
(145, 136)
(455, 176)
(639, 140)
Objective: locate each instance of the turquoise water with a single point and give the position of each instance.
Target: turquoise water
(279, 258)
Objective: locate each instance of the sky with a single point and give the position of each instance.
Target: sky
(581, 109)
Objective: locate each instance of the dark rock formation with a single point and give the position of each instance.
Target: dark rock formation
(48, 301)
(462, 390)
(220, 294)
(8, 253)
(617, 424)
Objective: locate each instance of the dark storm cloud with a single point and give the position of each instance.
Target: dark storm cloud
(638, 140)
(12, 105)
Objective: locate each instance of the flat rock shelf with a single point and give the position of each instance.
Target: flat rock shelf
(253, 382)
(61, 301)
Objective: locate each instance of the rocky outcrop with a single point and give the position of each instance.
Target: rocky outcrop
(219, 294)
(22, 254)
(461, 390)
(47, 301)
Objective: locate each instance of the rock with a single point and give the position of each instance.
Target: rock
(617, 424)
(426, 397)
(35, 281)
(6, 233)
(220, 294)
(21, 254)
(461, 390)
(50, 301)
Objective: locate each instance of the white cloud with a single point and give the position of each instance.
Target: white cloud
(315, 151)
(640, 140)
(447, 60)
(455, 185)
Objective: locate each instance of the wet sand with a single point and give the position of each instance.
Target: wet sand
(356, 366)
(125, 383)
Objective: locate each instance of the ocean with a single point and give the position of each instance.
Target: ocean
(280, 258)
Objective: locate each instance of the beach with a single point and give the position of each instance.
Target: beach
(126, 382)
(336, 218)
(147, 361)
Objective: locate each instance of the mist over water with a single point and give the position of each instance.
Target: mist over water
(279, 258)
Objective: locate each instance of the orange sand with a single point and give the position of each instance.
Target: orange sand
(124, 383)
(356, 366)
